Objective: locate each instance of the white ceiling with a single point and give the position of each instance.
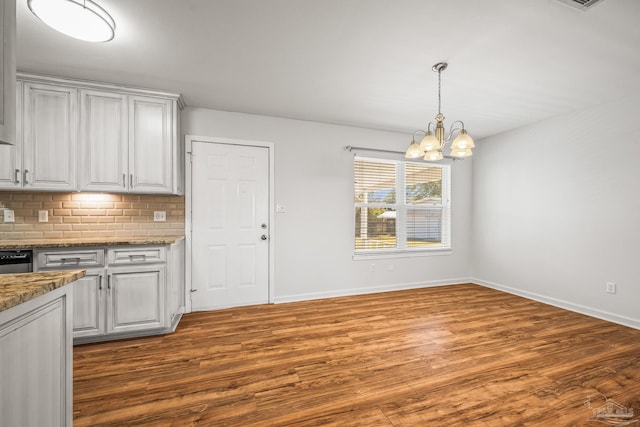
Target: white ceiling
(360, 62)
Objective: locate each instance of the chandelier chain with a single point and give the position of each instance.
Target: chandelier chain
(439, 90)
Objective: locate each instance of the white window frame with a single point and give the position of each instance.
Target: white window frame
(400, 207)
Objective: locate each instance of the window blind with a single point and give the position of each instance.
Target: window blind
(400, 205)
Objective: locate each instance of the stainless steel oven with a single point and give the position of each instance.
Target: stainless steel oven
(16, 261)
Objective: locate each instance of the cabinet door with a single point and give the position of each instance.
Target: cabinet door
(50, 117)
(103, 141)
(136, 298)
(88, 305)
(7, 71)
(150, 145)
(11, 155)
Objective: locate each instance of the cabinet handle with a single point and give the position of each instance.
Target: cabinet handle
(24, 176)
(16, 180)
(108, 282)
(74, 260)
(100, 278)
(130, 181)
(124, 179)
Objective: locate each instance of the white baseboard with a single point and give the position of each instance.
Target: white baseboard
(589, 311)
(369, 290)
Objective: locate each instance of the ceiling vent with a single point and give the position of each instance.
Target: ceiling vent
(583, 5)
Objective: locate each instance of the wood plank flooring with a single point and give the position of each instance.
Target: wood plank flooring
(443, 356)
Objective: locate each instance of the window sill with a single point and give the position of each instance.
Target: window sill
(400, 254)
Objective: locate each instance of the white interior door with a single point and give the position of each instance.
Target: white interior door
(230, 225)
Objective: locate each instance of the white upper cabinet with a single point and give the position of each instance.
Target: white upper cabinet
(7, 71)
(49, 135)
(127, 143)
(86, 136)
(103, 162)
(151, 145)
(44, 154)
(11, 155)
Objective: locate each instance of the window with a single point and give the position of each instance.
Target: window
(400, 206)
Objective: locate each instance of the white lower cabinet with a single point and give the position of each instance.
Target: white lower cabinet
(129, 292)
(88, 308)
(136, 298)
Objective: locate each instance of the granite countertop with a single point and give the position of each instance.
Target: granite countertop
(18, 288)
(106, 241)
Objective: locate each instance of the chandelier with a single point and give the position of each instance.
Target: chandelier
(433, 142)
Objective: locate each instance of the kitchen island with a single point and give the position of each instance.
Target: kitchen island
(36, 348)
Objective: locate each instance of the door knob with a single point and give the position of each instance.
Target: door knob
(263, 237)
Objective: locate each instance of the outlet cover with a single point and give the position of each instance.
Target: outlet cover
(280, 208)
(611, 287)
(43, 216)
(9, 215)
(159, 216)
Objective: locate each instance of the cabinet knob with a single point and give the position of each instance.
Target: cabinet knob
(263, 237)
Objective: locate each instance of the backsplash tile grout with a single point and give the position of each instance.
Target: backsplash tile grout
(89, 215)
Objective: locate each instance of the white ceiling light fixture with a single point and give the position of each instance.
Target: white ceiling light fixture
(431, 146)
(80, 19)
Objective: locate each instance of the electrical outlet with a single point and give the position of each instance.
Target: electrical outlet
(159, 216)
(611, 287)
(43, 216)
(280, 208)
(9, 215)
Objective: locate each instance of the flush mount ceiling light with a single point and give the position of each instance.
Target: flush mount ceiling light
(81, 19)
(432, 144)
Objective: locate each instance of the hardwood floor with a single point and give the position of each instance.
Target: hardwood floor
(443, 356)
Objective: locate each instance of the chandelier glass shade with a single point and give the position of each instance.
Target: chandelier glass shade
(80, 19)
(433, 142)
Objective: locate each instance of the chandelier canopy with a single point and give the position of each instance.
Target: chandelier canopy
(434, 141)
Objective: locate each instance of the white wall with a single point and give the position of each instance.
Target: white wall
(556, 211)
(314, 180)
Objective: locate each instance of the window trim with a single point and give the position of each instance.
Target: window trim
(400, 253)
(405, 252)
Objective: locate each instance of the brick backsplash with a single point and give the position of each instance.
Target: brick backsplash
(91, 215)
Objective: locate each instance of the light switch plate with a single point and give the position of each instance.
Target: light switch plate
(43, 216)
(159, 216)
(9, 215)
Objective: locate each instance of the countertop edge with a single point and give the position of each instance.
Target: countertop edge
(16, 289)
(68, 243)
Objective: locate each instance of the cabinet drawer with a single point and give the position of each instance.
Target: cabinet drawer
(136, 256)
(58, 259)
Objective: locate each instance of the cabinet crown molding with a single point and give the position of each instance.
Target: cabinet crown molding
(88, 84)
